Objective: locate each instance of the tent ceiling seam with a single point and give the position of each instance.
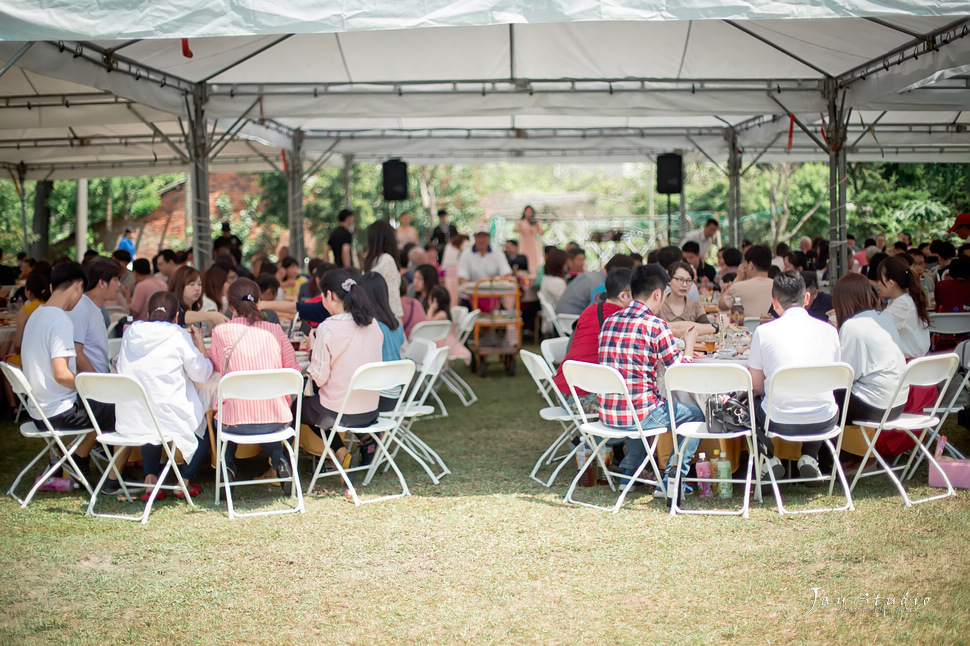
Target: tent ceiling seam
(245, 58)
(889, 25)
(683, 54)
(343, 58)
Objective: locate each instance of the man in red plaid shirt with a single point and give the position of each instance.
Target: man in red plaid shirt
(635, 342)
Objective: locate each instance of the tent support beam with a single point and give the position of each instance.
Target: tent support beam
(869, 129)
(294, 190)
(349, 183)
(704, 152)
(804, 128)
(199, 176)
(81, 228)
(22, 193)
(760, 155)
(16, 57)
(734, 189)
(265, 158)
(231, 133)
(321, 160)
(161, 135)
(779, 48)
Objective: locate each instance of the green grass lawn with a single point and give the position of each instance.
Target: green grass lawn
(487, 556)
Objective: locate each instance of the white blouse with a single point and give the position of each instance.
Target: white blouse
(870, 345)
(386, 267)
(914, 335)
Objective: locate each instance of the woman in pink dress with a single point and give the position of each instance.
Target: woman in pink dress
(529, 230)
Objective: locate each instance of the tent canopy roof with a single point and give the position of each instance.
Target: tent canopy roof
(522, 81)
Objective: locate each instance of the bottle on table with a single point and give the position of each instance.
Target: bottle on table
(737, 313)
(724, 471)
(703, 471)
(713, 469)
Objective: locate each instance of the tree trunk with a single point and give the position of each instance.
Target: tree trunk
(42, 220)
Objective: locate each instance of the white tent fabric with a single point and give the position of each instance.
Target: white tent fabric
(156, 19)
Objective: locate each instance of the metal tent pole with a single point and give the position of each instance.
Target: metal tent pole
(81, 211)
(22, 193)
(734, 190)
(294, 187)
(199, 178)
(835, 134)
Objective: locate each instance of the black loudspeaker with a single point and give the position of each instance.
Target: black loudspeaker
(670, 174)
(395, 173)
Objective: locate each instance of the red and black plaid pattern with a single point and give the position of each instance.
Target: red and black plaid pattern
(634, 341)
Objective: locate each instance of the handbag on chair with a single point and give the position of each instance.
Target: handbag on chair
(726, 414)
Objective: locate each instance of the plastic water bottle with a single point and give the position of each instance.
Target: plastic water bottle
(737, 313)
(704, 471)
(724, 489)
(712, 469)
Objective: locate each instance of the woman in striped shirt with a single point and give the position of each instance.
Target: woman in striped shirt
(345, 341)
(248, 342)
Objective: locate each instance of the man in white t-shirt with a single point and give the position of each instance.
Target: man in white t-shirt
(794, 339)
(90, 333)
(480, 261)
(48, 355)
(704, 237)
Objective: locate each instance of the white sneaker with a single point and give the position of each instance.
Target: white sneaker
(808, 467)
(776, 468)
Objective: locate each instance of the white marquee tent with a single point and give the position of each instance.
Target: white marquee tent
(110, 87)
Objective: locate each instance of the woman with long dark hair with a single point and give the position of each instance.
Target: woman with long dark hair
(346, 340)
(168, 361)
(870, 344)
(529, 230)
(425, 279)
(214, 286)
(392, 329)
(907, 307)
(186, 284)
(381, 257)
(249, 342)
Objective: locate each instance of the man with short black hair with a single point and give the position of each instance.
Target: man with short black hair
(341, 241)
(443, 233)
(794, 339)
(146, 284)
(90, 330)
(48, 354)
(693, 257)
(127, 242)
(704, 237)
(755, 289)
(166, 263)
(585, 288)
(516, 260)
(575, 262)
(732, 259)
(636, 342)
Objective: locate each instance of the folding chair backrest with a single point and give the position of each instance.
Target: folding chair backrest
(382, 375)
(536, 366)
(707, 379)
(260, 384)
(594, 378)
(950, 322)
(549, 312)
(466, 326)
(114, 348)
(810, 380)
(419, 350)
(929, 371)
(431, 364)
(458, 314)
(566, 323)
(554, 350)
(433, 331)
(21, 387)
(112, 389)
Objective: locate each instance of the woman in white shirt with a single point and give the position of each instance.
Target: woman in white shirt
(907, 310)
(553, 282)
(870, 344)
(380, 258)
(166, 360)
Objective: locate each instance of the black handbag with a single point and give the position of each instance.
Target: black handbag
(727, 414)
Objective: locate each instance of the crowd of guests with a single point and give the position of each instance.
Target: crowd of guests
(364, 304)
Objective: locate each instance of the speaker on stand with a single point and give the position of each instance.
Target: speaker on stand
(670, 179)
(395, 180)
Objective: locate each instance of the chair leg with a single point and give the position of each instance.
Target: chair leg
(562, 463)
(579, 474)
(297, 489)
(13, 488)
(549, 453)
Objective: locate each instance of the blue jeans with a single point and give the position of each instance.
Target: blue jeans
(659, 417)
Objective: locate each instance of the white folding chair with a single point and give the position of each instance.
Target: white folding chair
(55, 439)
(710, 379)
(114, 348)
(458, 314)
(954, 405)
(258, 385)
(554, 350)
(557, 409)
(451, 379)
(433, 331)
(374, 377)
(603, 380)
(924, 371)
(795, 383)
(431, 362)
(566, 323)
(549, 314)
(117, 389)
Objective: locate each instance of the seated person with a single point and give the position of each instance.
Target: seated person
(245, 343)
(819, 303)
(636, 343)
(376, 288)
(311, 311)
(795, 339)
(692, 256)
(871, 346)
(48, 354)
(584, 342)
(345, 341)
(37, 292)
(953, 293)
(166, 360)
(269, 287)
(754, 289)
(582, 290)
(90, 330)
(680, 312)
